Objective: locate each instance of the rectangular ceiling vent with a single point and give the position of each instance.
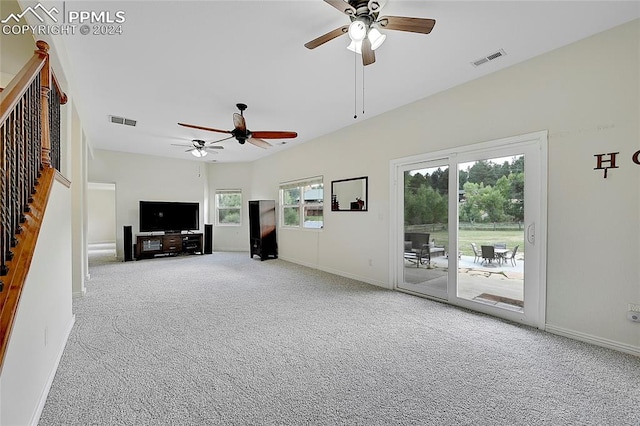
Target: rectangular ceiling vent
(500, 53)
(122, 120)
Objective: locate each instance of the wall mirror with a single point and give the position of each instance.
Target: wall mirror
(348, 195)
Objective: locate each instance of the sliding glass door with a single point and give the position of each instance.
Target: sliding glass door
(491, 232)
(425, 241)
(468, 227)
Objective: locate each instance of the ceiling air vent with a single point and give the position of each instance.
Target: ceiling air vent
(122, 120)
(488, 58)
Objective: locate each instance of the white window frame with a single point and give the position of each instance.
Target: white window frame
(300, 205)
(218, 208)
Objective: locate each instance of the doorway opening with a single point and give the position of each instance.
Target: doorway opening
(101, 223)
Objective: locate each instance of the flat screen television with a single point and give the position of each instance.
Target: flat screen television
(169, 216)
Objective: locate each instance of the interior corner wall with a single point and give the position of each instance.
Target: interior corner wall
(146, 177)
(67, 115)
(78, 154)
(206, 194)
(231, 176)
(586, 95)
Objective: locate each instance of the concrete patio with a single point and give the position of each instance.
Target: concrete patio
(499, 284)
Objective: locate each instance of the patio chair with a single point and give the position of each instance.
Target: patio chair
(488, 254)
(416, 248)
(476, 255)
(512, 256)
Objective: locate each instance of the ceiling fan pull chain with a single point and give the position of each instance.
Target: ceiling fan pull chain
(362, 90)
(355, 85)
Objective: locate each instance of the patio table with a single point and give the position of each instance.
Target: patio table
(500, 254)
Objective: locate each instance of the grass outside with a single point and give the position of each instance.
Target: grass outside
(480, 237)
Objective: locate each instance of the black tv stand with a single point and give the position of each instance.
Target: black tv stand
(148, 246)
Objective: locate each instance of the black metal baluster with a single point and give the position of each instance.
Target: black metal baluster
(54, 125)
(23, 143)
(20, 169)
(5, 244)
(12, 186)
(30, 146)
(36, 119)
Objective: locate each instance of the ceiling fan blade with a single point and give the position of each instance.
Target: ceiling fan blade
(210, 129)
(274, 135)
(327, 37)
(401, 23)
(259, 142)
(180, 144)
(212, 149)
(239, 123)
(342, 6)
(368, 57)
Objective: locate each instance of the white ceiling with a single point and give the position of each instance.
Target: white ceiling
(192, 61)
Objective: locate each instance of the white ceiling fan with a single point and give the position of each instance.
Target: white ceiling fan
(199, 148)
(364, 30)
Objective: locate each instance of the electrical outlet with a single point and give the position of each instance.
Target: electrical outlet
(633, 316)
(633, 307)
(46, 336)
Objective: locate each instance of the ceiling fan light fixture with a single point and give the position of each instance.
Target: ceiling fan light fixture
(376, 38)
(355, 46)
(357, 30)
(199, 153)
(376, 5)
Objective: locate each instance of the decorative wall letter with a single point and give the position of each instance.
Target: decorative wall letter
(611, 161)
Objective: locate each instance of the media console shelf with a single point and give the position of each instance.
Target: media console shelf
(169, 244)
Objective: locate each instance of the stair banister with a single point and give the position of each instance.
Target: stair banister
(29, 157)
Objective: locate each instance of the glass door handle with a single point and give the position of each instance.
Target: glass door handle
(531, 233)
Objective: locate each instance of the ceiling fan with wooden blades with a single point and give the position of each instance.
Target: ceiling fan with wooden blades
(199, 148)
(364, 30)
(242, 134)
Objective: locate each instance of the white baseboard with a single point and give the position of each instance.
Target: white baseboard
(594, 340)
(338, 272)
(45, 391)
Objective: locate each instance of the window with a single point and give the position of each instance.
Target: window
(302, 203)
(228, 207)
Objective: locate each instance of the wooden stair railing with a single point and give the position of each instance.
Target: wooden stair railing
(29, 157)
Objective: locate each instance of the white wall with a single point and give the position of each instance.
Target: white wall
(586, 95)
(43, 320)
(353, 244)
(231, 176)
(101, 203)
(149, 178)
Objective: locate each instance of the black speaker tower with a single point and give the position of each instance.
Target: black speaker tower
(208, 239)
(128, 244)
